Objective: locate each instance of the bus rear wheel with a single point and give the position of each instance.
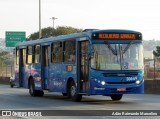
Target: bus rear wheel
(116, 97)
(32, 90)
(72, 93)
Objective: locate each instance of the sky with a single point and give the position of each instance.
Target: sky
(138, 15)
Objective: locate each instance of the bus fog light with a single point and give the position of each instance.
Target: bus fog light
(138, 82)
(103, 82)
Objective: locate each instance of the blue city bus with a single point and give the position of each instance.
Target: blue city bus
(93, 62)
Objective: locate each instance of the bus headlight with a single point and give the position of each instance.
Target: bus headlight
(138, 82)
(99, 81)
(103, 82)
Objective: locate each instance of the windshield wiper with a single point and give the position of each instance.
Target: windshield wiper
(127, 47)
(113, 51)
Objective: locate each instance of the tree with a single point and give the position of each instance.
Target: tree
(157, 52)
(5, 56)
(60, 30)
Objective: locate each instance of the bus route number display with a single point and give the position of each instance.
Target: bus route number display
(129, 36)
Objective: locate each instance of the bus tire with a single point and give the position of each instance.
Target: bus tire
(40, 93)
(116, 97)
(11, 85)
(72, 93)
(64, 94)
(32, 90)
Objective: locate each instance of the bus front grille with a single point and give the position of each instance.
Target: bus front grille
(131, 82)
(133, 74)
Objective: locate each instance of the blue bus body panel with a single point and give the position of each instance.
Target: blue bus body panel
(115, 81)
(46, 77)
(35, 70)
(55, 75)
(17, 79)
(59, 77)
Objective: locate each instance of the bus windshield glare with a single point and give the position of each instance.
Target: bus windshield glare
(117, 56)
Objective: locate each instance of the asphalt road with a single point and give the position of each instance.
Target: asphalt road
(91, 107)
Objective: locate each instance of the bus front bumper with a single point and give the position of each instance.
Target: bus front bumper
(117, 89)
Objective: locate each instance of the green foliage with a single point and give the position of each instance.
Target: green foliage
(157, 52)
(60, 30)
(5, 57)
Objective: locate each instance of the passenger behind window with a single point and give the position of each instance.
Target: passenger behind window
(72, 58)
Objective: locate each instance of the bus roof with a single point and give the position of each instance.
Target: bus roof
(53, 38)
(73, 35)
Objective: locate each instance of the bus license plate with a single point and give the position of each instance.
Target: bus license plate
(121, 89)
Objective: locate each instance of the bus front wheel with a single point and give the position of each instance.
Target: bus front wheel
(116, 97)
(72, 93)
(32, 90)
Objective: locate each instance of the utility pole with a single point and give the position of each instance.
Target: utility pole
(53, 18)
(40, 32)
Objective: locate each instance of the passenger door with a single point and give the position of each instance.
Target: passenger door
(45, 67)
(22, 54)
(83, 65)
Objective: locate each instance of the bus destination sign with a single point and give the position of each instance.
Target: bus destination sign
(124, 36)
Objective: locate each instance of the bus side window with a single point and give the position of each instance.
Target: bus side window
(29, 54)
(37, 55)
(17, 56)
(56, 52)
(24, 56)
(69, 51)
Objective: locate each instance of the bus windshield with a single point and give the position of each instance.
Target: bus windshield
(117, 56)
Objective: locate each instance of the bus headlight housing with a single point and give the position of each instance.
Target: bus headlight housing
(138, 82)
(99, 81)
(103, 82)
